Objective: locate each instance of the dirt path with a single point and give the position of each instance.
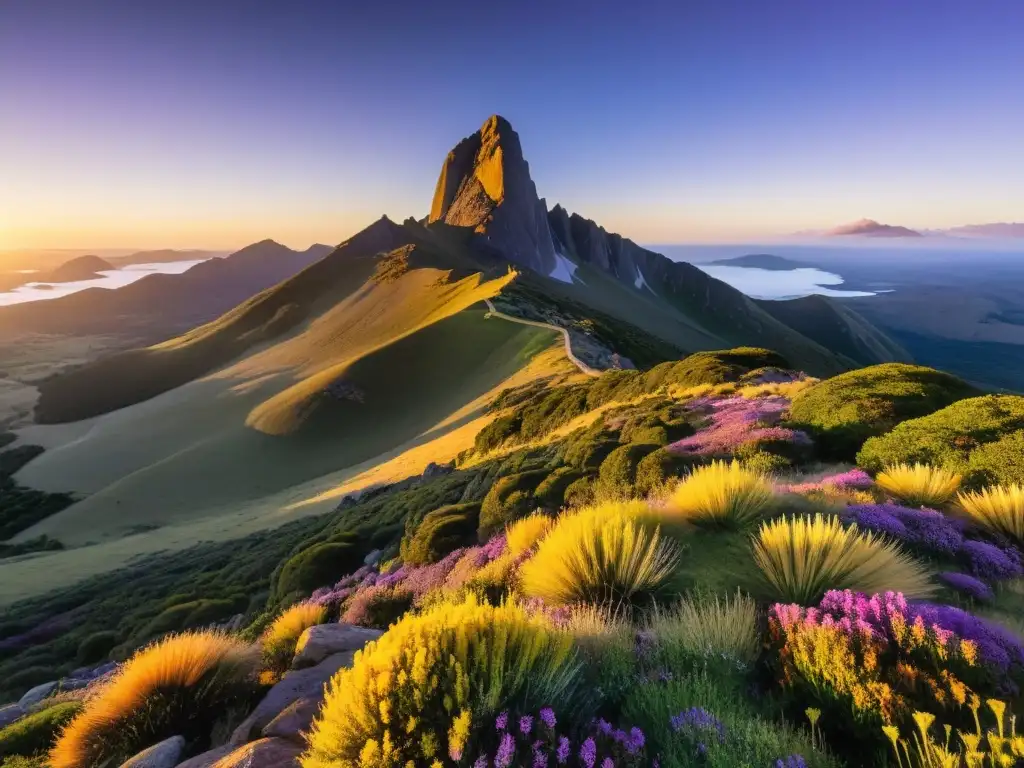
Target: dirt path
(584, 368)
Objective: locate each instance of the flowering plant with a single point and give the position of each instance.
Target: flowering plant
(536, 741)
(738, 421)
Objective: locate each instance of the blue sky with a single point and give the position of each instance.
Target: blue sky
(214, 124)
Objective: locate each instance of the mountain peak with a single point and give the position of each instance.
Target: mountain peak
(871, 228)
(485, 186)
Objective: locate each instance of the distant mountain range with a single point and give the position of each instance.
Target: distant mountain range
(871, 228)
(159, 304)
(80, 268)
(998, 229)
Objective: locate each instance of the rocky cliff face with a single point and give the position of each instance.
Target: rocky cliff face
(485, 185)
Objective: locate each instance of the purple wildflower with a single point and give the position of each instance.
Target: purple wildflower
(854, 480)
(540, 760)
(562, 755)
(695, 719)
(525, 725)
(990, 561)
(604, 726)
(588, 753)
(968, 585)
(607, 763)
(793, 761)
(506, 751)
(481, 762)
(547, 716)
(501, 721)
(737, 421)
(924, 528)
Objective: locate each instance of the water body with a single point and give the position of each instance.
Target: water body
(780, 283)
(110, 278)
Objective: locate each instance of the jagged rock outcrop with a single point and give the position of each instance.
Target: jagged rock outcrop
(323, 640)
(485, 185)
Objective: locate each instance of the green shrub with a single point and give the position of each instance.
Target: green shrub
(652, 435)
(580, 492)
(18, 761)
(498, 432)
(752, 738)
(586, 454)
(979, 438)
(190, 615)
(658, 466)
(97, 646)
(712, 367)
(510, 498)
(550, 494)
(765, 462)
(318, 566)
(440, 532)
(844, 411)
(35, 733)
(618, 470)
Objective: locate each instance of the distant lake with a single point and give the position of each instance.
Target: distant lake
(111, 278)
(780, 284)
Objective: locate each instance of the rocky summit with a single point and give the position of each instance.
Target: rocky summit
(485, 185)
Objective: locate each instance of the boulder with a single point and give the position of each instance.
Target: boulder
(208, 759)
(295, 685)
(295, 720)
(319, 642)
(265, 753)
(37, 694)
(166, 754)
(10, 713)
(434, 469)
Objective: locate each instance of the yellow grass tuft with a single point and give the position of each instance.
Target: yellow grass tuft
(920, 485)
(280, 638)
(180, 685)
(705, 625)
(802, 558)
(604, 554)
(999, 509)
(522, 535)
(720, 494)
(415, 695)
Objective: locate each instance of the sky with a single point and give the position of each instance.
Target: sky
(185, 124)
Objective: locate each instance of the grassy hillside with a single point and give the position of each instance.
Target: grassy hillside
(837, 328)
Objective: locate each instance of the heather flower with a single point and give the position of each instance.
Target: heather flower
(547, 716)
(525, 725)
(588, 753)
(562, 755)
(989, 560)
(481, 762)
(501, 721)
(608, 763)
(737, 421)
(793, 761)
(506, 751)
(922, 528)
(968, 585)
(853, 480)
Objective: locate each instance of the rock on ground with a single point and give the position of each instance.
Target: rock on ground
(166, 754)
(295, 720)
(10, 714)
(323, 640)
(208, 759)
(297, 684)
(37, 694)
(265, 753)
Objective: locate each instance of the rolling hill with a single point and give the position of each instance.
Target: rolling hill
(360, 359)
(80, 268)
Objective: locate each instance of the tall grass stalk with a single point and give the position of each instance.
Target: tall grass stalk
(919, 485)
(999, 509)
(720, 494)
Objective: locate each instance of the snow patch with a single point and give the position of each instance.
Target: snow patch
(640, 282)
(564, 270)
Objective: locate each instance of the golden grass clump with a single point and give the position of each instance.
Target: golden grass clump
(522, 535)
(999, 509)
(919, 485)
(704, 625)
(801, 558)
(181, 685)
(720, 494)
(417, 694)
(606, 554)
(280, 638)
